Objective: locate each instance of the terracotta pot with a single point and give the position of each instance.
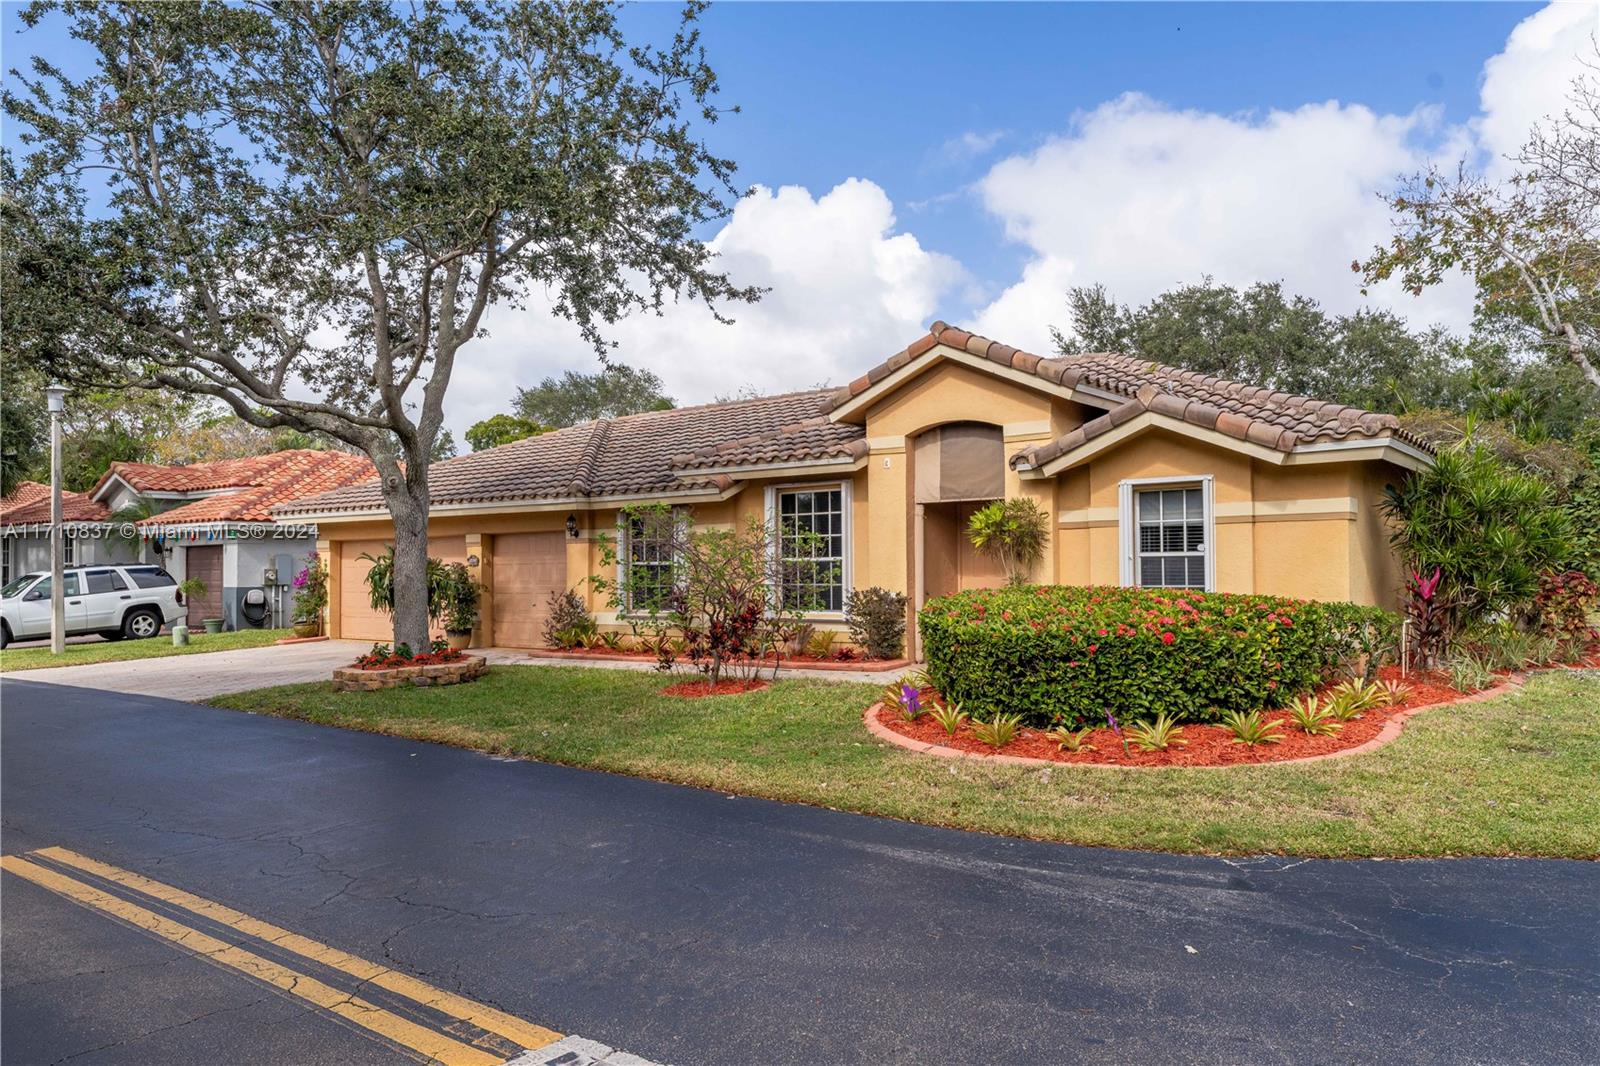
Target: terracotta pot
(458, 641)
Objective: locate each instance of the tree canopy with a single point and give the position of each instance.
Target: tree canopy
(500, 429)
(304, 209)
(574, 397)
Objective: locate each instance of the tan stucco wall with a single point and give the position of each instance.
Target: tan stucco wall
(1298, 530)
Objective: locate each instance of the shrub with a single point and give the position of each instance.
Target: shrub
(311, 589)
(1064, 655)
(877, 621)
(1564, 603)
(569, 624)
(380, 583)
(1015, 531)
(1469, 671)
(1489, 530)
(460, 594)
(1358, 639)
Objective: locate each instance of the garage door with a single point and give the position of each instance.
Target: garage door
(527, 568)
(206, 565)
(357, 619)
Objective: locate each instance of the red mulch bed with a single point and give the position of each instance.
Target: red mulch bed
(695, 690)
(1209, 745)
(788, 660)
(391, 662)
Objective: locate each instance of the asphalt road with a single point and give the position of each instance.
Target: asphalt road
(692, 927)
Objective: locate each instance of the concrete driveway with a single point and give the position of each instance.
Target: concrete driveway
(202, 676)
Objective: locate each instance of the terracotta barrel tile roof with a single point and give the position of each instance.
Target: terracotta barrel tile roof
(281, 477)
(29, 504)
(667, 451)
(650, 453)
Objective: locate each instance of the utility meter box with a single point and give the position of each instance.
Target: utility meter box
(269, 576)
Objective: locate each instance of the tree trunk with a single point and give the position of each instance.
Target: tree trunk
(408, 506)
(1576, 353)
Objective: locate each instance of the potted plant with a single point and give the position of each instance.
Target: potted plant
(310, 597)
(190, 588)
(458, 607)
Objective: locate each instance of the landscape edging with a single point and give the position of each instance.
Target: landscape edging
(1390, 731)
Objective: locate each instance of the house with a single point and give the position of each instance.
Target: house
(1152, 476)
(91, 536)
(212, 521)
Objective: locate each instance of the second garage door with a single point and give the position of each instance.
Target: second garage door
(357, 619)
(527, 568)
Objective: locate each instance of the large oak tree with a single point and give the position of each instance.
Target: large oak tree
(303, 209)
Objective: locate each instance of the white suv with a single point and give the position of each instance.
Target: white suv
(113, 601)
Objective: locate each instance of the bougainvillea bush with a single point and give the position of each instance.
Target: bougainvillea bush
(1066, 655)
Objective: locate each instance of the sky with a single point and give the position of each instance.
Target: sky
(971, 162)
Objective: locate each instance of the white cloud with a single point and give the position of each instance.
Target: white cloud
(1529, 80)
(846, 291)
(1143, 197)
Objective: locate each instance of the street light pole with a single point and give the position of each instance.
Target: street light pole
(56, 394)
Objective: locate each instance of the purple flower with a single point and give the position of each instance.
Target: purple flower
(911, 699)
(1111, 720)
(303, 578)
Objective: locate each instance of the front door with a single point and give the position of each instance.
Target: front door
(205, 563)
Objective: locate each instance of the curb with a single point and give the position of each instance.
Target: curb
(869, 666)
(298, 640)
(1390, 731)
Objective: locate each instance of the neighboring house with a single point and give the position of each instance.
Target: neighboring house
(1151, 475)
(213, 521)
(90, 537)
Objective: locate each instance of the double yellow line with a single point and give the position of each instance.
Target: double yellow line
(431, 1043)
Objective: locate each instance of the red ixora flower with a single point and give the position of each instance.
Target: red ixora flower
(1167, 638)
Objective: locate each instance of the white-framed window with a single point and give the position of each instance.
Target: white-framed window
(69, 548)
(5, 560)
(1168, 532)
(645, 564)
(811, 533)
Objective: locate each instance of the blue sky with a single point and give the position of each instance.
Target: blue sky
(972, 161)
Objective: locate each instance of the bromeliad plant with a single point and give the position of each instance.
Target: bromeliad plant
(998, 731)
(1312, 718)
(1072, 740)
(1159, 734)
(949, 716)
(1252, 728)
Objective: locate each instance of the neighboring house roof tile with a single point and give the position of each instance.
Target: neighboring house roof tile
(29, 504)
(260, 482)
(652, 452)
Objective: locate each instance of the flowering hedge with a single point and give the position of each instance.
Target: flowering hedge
(1066, 655)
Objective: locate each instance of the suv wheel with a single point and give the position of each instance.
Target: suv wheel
(141, 622)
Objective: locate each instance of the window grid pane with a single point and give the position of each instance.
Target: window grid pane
(811, 549)
(1170, 545)
(649, 561)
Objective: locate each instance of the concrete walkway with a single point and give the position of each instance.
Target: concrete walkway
(201, 676)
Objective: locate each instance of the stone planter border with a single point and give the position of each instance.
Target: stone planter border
(1391, 730)
(352, 679)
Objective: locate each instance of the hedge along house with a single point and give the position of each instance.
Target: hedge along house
(1151, 475)
(213, 521)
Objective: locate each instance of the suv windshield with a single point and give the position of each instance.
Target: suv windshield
(16, 585)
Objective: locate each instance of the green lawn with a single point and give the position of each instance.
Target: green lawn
(1511, 776)
(121, 650)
